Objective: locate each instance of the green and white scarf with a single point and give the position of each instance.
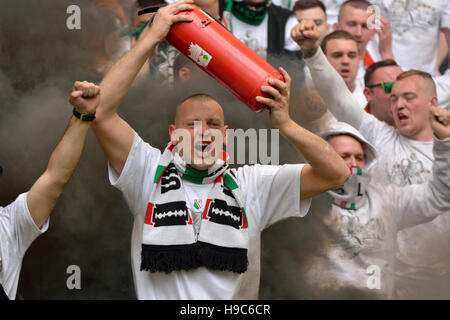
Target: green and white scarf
(169, 241)
(246, 11)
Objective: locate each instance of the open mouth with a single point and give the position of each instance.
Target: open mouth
(345, 72)
(402, 117)
(202, 146)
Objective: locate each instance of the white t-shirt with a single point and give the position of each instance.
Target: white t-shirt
(415, 31)
(271, 193)
(255, 37)
(17, 232)
(400, 160)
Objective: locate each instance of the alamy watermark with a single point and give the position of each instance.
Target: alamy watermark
(373, 22)
(73, 22)
(243, 147)
(74, 280)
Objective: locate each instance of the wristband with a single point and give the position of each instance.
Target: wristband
(84, 117)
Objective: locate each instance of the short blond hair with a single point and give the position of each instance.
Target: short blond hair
(357, 4)
(428, 79)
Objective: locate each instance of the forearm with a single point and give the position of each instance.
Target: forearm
(325, 162)
(63, 161)
(119, 79)
(333, 89)
(387, 53)
(66, 155)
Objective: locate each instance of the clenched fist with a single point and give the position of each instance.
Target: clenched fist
(85, 97)
(440, 122)
(306, 34)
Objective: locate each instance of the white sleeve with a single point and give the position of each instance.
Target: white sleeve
(19, 226)
(377, 132)
(136, 179)
(333, 90)
(419, 203)
(445, 18)
(273, 192)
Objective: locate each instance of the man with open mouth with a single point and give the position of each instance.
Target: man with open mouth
(405, 152)
(198, 223)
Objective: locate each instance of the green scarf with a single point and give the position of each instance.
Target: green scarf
(249, 12)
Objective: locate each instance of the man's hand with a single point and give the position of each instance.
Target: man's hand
(440, 122)
(279, 103)
(385, 37)
(165, 17)
(306, 35)
(85, 97)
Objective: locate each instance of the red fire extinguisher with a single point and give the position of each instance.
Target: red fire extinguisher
(224, 57)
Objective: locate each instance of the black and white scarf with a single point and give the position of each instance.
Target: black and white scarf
(169, 241)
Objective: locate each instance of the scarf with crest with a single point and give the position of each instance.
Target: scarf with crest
(169, 241)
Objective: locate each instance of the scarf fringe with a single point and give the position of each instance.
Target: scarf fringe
(162, 258)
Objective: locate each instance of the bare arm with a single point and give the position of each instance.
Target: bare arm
(326, 169)
(113, 133)
(385, 36)
(46, 190)
(327, 81)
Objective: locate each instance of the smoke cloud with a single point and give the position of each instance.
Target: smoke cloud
(91, 225)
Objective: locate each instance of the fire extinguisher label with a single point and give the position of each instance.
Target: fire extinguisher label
(198, 55)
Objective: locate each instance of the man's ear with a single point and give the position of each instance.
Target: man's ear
(172, 136)
(367, 94)
(434, 102)
(225, 136)
(185, 74)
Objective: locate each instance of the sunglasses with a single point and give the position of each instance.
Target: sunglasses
(387, 86)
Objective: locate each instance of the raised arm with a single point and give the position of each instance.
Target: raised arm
(385, 37)
(43, 195)
(327, 81)
(113, 133)
(325, 169)
(421, 202)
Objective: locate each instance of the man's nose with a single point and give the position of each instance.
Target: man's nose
(357, 31)
(352, 162)
(345, 60)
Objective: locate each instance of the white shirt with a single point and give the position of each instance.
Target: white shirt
(415, 31)
(271, 193)
(17, 232)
